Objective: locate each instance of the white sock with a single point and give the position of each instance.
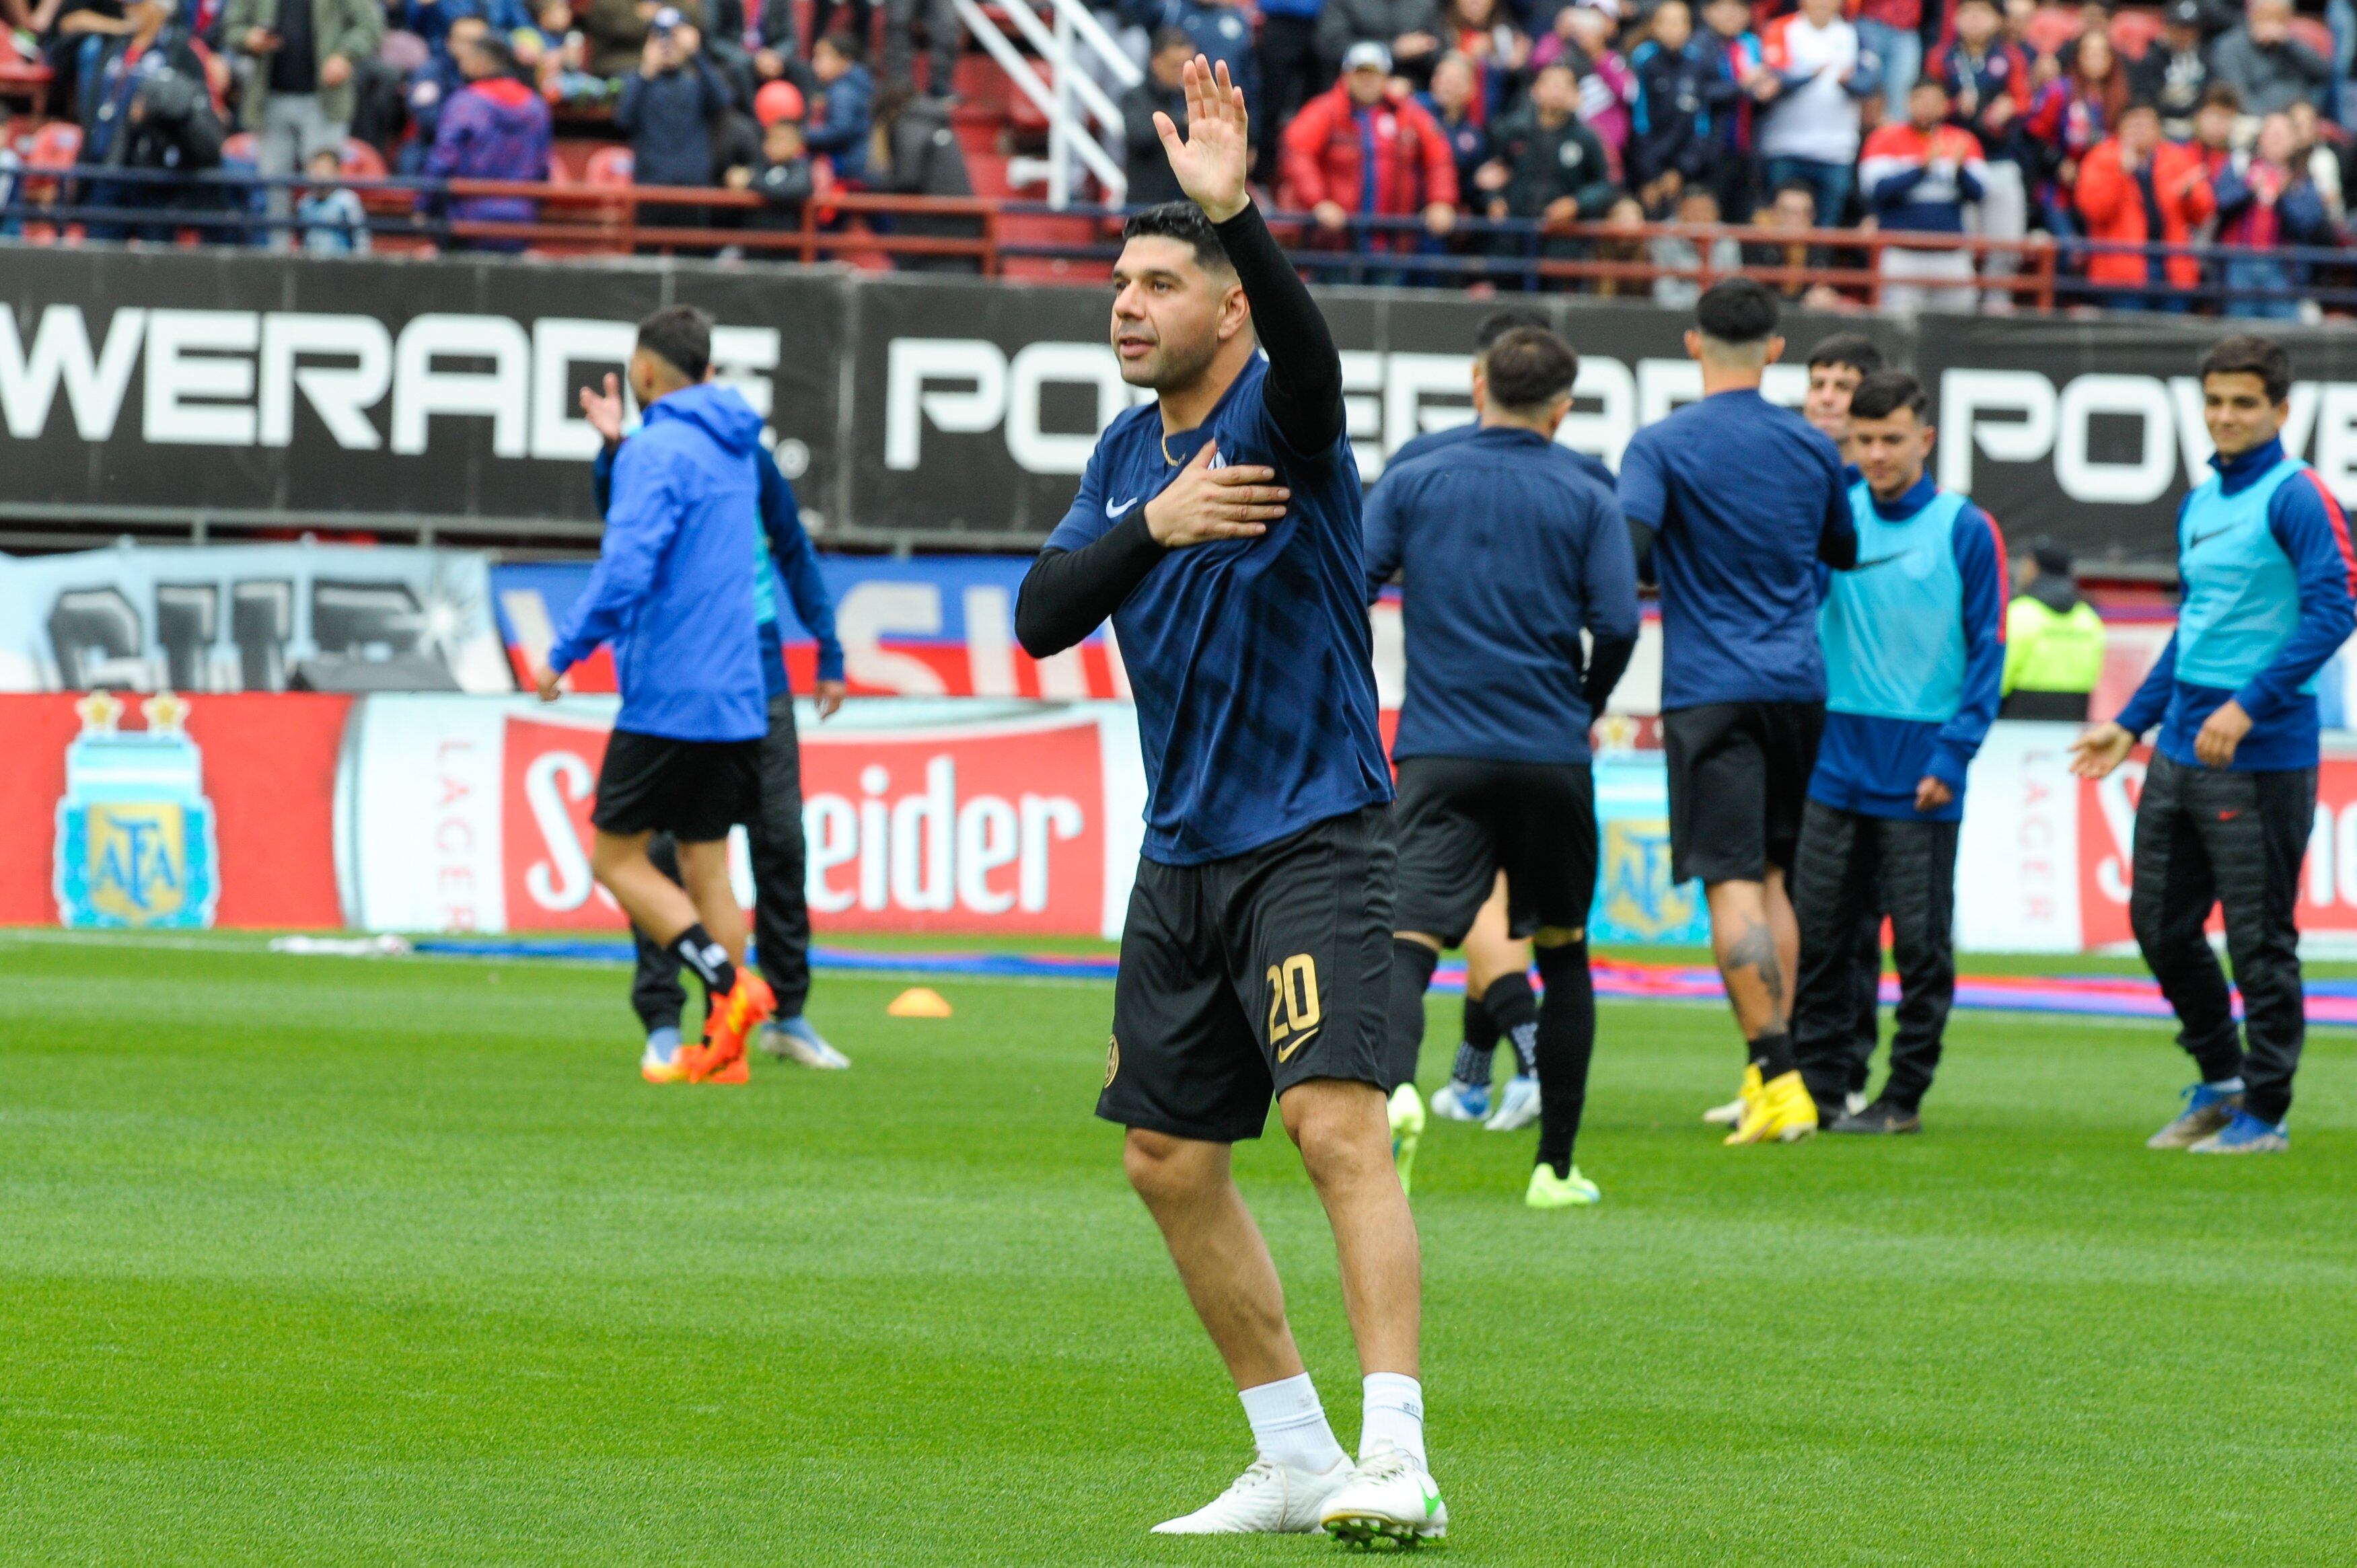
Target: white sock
(1289, 1424)
(1394, 1414)
(2226, 1085)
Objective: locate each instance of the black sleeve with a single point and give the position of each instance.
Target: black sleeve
(1608, 661)
(1067, 594)
(1641, 542)
(1305, 372)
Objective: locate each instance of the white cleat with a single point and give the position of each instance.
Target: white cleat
(794, 1040)
(1518, 1107)
(1455, 1102)
(1389, 1496)
(1269, 1499)
(1853, 1102)
(1725, 1115)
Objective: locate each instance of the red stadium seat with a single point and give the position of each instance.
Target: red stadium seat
(608, 166)
(361, 161)
(54, 146)
(2133, 33)
(2051, 28)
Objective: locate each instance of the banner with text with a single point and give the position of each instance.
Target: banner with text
(939, 410)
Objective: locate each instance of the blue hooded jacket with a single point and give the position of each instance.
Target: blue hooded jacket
(670, 592)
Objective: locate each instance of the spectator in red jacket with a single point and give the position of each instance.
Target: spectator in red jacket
(2134, 189)
(1359, 148)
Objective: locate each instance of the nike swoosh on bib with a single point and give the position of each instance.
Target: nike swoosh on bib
(1115, 508)
(2198, 540)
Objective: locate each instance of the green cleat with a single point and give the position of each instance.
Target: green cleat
(1407, 1130)
(1548, 1190)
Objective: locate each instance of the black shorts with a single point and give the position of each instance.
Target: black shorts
(1739, 785)
(1461, 821)
(1243, 977)
(693, 790)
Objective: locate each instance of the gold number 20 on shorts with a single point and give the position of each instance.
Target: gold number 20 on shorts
(1292, 997)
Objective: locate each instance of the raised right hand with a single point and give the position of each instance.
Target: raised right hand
(605, 414)
(1204, 503)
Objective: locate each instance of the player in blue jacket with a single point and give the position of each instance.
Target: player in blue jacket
(774, 836)
(1510, 551)
(672, 596)
(1914, 644)
(2229, 800)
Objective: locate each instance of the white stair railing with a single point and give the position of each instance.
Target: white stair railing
(1075, 48)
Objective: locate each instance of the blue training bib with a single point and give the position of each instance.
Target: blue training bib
(2240, 593)
(1893, 628)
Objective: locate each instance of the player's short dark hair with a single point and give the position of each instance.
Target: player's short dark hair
(1189, 224)
(1529, 368)
(1498, 323)
(2053, 560)
(1738, 310)
(1885, 393)
(681, 337)
(1856, 349)
(2248, 354)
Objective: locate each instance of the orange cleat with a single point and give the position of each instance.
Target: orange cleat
(720, 1057)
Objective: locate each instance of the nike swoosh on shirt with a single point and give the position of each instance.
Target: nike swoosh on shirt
(2198, 540)
(1115, 508)
(1882, 560)
(1286, 1053)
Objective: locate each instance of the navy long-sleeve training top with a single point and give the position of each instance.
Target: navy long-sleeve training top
(1509, 550)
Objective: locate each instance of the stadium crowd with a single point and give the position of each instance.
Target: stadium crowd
(1401, 126)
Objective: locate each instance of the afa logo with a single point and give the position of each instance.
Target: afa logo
(1636, 901)
(135, 843)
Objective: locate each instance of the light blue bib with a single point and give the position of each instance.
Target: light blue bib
(2240, 594)
(1893, 628)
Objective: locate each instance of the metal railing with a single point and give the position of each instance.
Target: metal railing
(2038, 273)
(1082, 117)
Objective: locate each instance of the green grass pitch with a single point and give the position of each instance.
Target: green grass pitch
(324, 1261)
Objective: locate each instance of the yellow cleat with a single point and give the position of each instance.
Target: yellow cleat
(1779, 1110)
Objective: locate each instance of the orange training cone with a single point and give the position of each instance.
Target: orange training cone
(918, 1001)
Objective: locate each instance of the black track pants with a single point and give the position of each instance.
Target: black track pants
(2209, 837)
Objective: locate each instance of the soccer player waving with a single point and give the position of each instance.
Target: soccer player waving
(1219, 527)
(2266, 572)
(1510, 550)
(1914, 643)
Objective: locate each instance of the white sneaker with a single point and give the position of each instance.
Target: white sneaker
(793, 1039)
(1269, 1499)
(1518, 1107)
(1457, 1102)
(1388, 1497)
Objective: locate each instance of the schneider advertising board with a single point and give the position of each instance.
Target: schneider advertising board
(228, 383)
